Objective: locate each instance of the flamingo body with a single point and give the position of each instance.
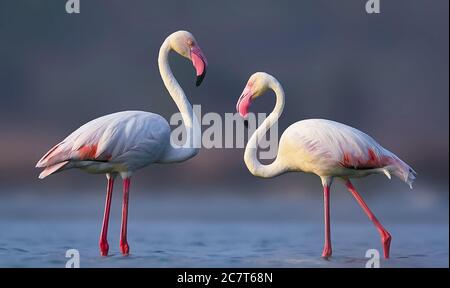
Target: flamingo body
(115, 143)
(323, 147)
(328, 148)
(123, 142)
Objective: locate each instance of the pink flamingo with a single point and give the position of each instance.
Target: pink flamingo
(123, 142)
(326, 148)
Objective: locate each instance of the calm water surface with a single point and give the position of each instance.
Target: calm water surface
(160, 236)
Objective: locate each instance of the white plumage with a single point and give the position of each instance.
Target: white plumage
(326, 148)
(121, 143)
(114, 143)
(331, 149)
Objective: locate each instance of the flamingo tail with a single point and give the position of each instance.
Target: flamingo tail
(401, 170)
(53, 156)
(54, 160)
(52, 169)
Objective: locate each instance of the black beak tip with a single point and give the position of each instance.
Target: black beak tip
(246, 123)
(200, 79)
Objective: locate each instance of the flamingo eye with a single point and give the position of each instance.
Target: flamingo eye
(190, 43)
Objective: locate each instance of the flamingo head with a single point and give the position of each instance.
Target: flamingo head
(256, 86)
(185, 44)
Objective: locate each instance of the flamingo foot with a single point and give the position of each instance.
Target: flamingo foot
(125, 249)
(327, 251)
(386, 241)
(104, 248)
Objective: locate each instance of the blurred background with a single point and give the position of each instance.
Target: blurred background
(385, 74)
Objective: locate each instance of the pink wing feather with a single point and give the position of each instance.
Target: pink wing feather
(333, 143)
(133, 137)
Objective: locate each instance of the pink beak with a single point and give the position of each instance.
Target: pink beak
(200, 64)
(244, 102)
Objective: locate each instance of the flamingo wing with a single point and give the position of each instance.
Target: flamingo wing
(130, 138)
(333, 144)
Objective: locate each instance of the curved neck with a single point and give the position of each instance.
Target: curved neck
(176, 153)
(251, 151)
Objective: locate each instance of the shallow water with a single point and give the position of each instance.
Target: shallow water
(180, 233)
(169, 244)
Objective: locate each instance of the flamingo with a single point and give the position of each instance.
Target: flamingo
(123, 142)
(322, 147)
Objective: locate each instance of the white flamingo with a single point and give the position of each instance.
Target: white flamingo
(326, 148)
(120, 143)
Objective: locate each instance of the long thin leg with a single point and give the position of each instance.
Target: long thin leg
(124, 247)
(326, 207)
(385, 236)
(104, 247)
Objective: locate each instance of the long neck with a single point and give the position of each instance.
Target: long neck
(251, 151)
(176, 153)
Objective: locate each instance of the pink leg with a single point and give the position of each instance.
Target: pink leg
(104, 247)
(124, 247)
(385, 236)
(326, 202)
